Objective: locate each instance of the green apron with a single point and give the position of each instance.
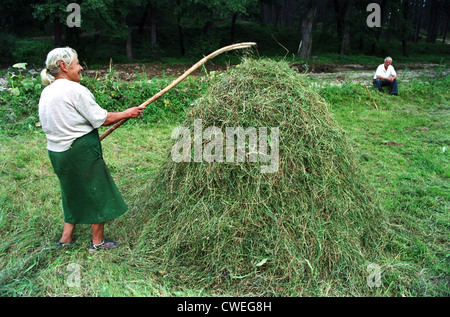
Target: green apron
(89, 194)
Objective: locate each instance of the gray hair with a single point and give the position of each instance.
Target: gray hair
(388, 58)
(53, 61)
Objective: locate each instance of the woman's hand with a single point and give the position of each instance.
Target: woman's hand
(114, 117)
(133, 112)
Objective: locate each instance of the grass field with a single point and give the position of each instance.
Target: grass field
(403, 149)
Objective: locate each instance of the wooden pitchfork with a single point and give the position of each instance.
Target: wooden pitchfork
(371, 96)
(179, 79)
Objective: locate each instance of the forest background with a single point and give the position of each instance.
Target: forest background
(184, 30)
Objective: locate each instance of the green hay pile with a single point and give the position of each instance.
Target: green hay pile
(311, 228)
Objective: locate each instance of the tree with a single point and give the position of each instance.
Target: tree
(310, 9)
(418, 13)
(401, 22)
(433, 20)
(119, 11)
(53, 12)
(201, 14)
(345, 45)
(436, 18)
(150, 10)
(106, 16)
(230, 9)
(338, 16)
(446, 21)
(234, 8)
(406, 26)
(197, 14)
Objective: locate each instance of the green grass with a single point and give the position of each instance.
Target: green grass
(402, 151)
(31, 219)
(400, 148)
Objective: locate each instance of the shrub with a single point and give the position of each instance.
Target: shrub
(19, 104)
(32, 51)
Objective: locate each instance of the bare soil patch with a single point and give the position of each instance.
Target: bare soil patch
(328, 72)
(128, 72)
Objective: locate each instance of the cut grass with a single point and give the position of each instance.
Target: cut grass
(411, 178)
(234, 228)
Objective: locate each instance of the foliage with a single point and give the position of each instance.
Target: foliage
(204, 25)
(32, 51)
(95, 14)
(19, 104)
(116, 95)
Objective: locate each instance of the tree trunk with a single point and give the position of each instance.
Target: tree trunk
(432, 22)
(180, 37)
(345, 47)
(58, 31)
(374, 49)
(233, 27)
(128, 46)
(445, 28)
(419, 8)
(306, 30)
(153, 34)
(338, 15)
(404, 27)
(144, 18)
(207, 27)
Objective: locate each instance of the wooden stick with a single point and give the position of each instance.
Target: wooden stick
(179, 79)
(372, 97)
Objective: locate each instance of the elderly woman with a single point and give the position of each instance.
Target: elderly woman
(70, 118)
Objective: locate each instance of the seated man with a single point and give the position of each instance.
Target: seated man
(386, 76)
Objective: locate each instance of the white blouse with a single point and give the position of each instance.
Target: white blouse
(67, 111)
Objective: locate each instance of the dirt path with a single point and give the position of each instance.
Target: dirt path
(128, 72)
(364, 74)
(336, 74)
(327, 73)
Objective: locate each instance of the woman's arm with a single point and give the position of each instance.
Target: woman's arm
(113, 117)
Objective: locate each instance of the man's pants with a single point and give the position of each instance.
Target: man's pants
(380, 83)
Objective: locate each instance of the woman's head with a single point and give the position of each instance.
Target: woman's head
(61, 62)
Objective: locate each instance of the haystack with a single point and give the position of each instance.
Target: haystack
(312, 224)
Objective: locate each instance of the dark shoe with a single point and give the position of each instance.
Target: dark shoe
(59, 244)
(106, 244)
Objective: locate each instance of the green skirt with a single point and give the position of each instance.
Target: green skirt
(89, 194)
